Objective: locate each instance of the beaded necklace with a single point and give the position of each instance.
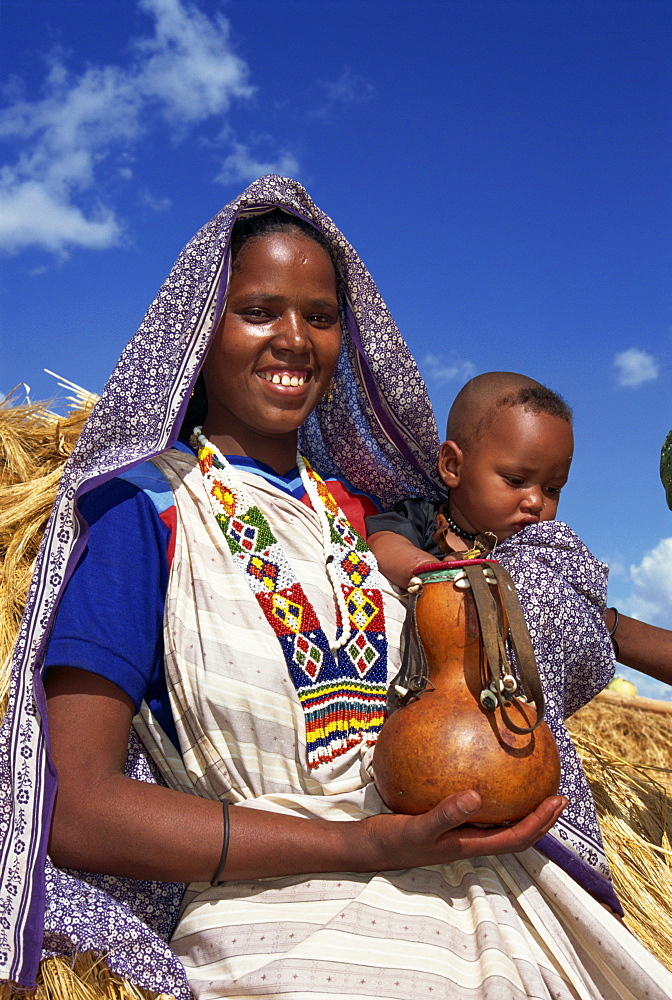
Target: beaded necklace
(455, 528)
(342, 687)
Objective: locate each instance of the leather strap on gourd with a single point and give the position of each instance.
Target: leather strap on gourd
(497, 622)
(492, 634)
(413, 676)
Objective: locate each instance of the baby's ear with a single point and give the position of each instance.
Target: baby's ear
(450, 464)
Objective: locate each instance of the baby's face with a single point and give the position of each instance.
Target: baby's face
(512, 476)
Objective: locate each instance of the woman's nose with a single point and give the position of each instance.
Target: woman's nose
(292, 332)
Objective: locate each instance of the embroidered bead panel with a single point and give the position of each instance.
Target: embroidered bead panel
(343, 696)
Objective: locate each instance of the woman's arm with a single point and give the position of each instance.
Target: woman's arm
(642, 646)
(109, 823)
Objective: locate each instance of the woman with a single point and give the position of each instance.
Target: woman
(271, 700)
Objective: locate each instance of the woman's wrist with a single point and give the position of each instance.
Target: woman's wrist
(611, 620)
(647, 648)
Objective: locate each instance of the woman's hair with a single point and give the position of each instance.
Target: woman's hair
(246, 228)
(197, 410)
(249, 227)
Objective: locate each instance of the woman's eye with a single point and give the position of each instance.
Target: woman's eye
(254, 312)
(319, 319)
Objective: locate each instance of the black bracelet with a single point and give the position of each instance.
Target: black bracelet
(616, 620)
(612, 630)
(217, 878)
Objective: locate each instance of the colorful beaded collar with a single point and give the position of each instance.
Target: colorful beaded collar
(342, 688)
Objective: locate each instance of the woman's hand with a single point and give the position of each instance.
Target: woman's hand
(441, 835)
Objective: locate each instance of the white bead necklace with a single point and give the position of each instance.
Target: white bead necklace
(317, 505)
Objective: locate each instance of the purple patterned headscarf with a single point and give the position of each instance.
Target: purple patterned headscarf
(377, 429)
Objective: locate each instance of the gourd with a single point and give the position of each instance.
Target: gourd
(464, 720)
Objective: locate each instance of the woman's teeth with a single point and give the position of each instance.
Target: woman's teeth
(283, 379)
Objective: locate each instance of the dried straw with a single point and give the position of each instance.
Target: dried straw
(626, 751)
(636, 729)
(625, 744)
(86, 978)
(34, 444)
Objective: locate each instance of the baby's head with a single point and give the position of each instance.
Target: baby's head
(507, 454)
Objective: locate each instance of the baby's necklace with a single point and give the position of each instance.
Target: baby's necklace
(460, 532)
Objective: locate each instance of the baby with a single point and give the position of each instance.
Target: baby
(505, 461)
(507, 458)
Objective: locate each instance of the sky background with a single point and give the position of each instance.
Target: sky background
(502, 167)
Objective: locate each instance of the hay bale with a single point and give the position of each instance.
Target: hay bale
(87, 977)
(34, 445)
(625, 746)
(635, 729)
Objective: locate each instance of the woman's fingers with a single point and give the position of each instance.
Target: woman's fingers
(510, 839)
(451, 812)
(455, 811)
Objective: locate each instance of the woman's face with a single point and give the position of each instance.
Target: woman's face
(274, 353)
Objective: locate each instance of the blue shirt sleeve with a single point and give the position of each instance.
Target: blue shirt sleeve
(110, 618)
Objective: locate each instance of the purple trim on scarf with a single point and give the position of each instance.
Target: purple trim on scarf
(219, 311)
(34, 925)
(587, 877)
(77, 549)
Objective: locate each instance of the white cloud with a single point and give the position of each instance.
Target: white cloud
(148, 200)
(349, 88)
(634, 367)
(184, 73)
(242, 165)
(651, 596)
(31, 213)
(442, 370)
(189, 65)
(649, 600)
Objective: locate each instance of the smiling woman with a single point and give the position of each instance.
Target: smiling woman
(218, 643)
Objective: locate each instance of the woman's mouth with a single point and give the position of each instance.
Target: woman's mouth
(286, 377)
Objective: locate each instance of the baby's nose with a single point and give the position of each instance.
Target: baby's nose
(534, 501)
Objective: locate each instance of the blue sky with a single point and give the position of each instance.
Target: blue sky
(503, 167)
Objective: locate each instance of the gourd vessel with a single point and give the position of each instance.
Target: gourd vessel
(466, 716)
